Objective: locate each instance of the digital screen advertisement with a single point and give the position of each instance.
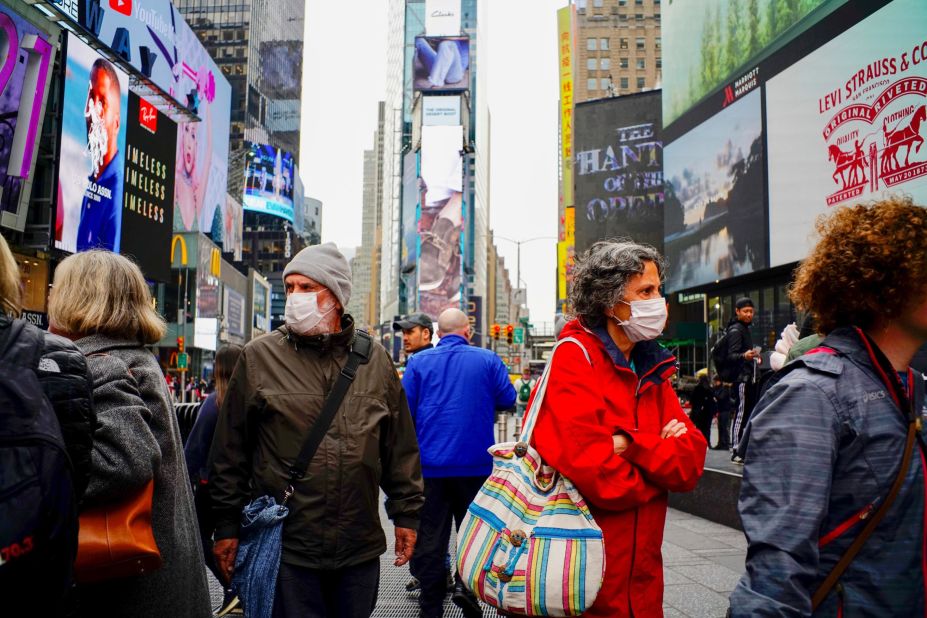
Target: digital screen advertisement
(201, 178)
(847, 124)
(91, 174)
(441, 64)
(269, 181)
(148, 191)
(442, 17)
(24, 79)
(714, 207)
(440, 226)
(618, 170)
(410, 194)
(441, 110)
(708, 43)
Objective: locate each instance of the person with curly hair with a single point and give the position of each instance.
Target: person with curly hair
(826, 446)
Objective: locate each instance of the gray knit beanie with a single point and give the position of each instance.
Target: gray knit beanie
(325, 264)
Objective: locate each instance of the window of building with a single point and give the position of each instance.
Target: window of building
(592, 83)
(623, 63)
(639, 2)
(622, 2)
(640, 42)
(592, 44)
(603, 44)
(640, 83)
(605, 64)
(624, 83)
(605, 83)
(597, 4)
(591, 64)
(639, 16)
(656, 17)
(623, 43)
(659, 63)
(658, 42)
(641, 63)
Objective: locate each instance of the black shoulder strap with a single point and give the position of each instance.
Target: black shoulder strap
(359, 355)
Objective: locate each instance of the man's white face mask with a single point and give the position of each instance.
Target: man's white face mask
(302, 313)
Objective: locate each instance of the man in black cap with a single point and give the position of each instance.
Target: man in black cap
(416, 330)
(742, 355)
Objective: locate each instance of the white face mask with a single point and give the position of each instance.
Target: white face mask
(647, 321)
(302, 313)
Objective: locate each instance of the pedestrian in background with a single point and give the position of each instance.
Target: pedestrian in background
(46, 426)
(724, 405)
(332, 537)
(196, 452)
(611, 421)
(704, 407)
(742, 360)
(417, 330)
(454, 393)
(827, 442)
(100, 301)
(523, 387)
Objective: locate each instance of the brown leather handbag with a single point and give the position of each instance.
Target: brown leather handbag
(116, 540)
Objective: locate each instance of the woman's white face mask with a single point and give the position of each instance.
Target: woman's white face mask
(302, 313)
(647, 321)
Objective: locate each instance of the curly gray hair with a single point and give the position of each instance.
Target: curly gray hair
(602, 273)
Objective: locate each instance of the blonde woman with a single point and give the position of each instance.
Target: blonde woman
(100, 300)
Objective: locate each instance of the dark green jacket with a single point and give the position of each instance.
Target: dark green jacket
(275, 394)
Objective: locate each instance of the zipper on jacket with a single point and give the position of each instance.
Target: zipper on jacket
(841, 599)
(844, 526)
(640, 382)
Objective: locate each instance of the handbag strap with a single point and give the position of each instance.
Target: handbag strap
(359, 355)
(837, 572)
(531, 414)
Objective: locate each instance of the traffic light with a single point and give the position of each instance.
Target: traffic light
(496, 329)
(180, 344)
(509, 333)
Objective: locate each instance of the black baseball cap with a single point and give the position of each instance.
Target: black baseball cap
(412, 320)
(743, 302)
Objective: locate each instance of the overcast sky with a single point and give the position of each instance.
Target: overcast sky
(345, 76)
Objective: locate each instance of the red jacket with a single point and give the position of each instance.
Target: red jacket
(583, 408)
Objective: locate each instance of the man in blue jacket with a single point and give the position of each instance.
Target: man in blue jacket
(454, 391)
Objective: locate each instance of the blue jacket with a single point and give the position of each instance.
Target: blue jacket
(824, 445)
(196, 450)
(454, 391)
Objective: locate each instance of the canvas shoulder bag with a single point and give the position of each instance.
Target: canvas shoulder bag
(528, 544)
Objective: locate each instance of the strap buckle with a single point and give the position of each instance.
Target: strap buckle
(287, 493)
(349, 372)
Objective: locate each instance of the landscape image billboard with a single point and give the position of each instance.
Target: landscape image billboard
(708, 43)
(441, 222)
(714, 208)
(441, 64)
(201, 179)
(269, 181)
(618, 170)
(847, 124)
(148, 193)
(25, 75)
(91, 171)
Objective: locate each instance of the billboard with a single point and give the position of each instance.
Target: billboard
(201, 178)
(269, 180)
(232, 221)
(148, 193)
(410, 214)
(714, 208)
(848, 123)
(24, 79)
(440, 225)
(260, 306)
(618, 170)
(91, 171)
(281, 69)
(442, 17)
(441, 64)
(234, 312)
(441, 110)
(709, 43)
(566, 43)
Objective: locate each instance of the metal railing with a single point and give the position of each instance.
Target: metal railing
(186, 416)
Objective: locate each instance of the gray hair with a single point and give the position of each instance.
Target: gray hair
(601, 275)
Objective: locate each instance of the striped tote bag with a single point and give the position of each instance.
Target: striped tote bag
(528, 544)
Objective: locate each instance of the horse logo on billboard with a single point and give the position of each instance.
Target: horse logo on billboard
(880, 144)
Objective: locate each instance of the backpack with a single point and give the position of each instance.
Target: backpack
(38, 538)
(719, 357)
(524, 393)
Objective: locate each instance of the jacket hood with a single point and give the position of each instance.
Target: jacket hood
(324, 343)
(646, 355)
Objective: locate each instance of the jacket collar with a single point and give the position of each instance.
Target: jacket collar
(452, 340)
(857, 346)
(95, 344)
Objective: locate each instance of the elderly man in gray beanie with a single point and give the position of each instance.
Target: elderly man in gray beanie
(332, 537)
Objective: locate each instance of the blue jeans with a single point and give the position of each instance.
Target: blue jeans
(446, 65)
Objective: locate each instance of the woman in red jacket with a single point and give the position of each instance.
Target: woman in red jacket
(616, 428)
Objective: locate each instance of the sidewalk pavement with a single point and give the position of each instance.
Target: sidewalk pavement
(702, 562)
